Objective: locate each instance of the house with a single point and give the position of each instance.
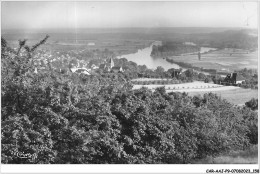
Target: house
(175, 72)
(117, 69)
(240, 80)
(231, 78)
(91, 44)
(35, 70)
(73, 69)
(82, 71)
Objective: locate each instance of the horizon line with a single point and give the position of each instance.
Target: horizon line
(118, 28)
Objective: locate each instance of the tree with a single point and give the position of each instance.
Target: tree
(183, 76)
(202, 76)
(252, 104)
(189, 73)
(159, 70)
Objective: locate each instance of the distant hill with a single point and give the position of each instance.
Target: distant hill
(215, 37)
(238, 39)
(227, 39)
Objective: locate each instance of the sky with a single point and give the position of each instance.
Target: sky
(83, 14)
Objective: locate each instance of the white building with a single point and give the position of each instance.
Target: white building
(91, 44)
(93, 66)
(83, 71)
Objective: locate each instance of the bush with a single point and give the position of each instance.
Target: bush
(251, 121)
(252, 104)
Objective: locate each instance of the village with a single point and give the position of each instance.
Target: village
(69, 64)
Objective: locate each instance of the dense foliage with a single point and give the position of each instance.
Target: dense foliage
(250, 78)
(57, 118)
(253, 104)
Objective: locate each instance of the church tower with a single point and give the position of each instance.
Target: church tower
(111, 62)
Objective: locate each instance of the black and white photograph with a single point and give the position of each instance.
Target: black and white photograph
(130, 82)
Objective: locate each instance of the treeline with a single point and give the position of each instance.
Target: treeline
(169, 48)
(55, 118)
(132, 71)
(239, 39)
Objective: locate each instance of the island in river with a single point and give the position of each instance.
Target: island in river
(173, 49)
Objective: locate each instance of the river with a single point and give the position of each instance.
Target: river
(143, 57)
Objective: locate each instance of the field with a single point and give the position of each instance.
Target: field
(235, 95)
(189, 87)
(117, 46)
(120, 42)
(248, 156)
(224, 59)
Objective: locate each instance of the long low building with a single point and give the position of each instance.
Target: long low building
(81, 70)
(189, 87)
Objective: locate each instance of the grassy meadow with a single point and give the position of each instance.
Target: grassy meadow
(224, 59)
(236, 96)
